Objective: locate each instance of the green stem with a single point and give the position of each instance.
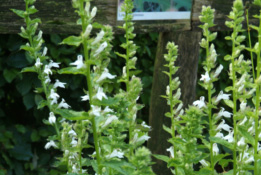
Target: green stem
(89, 85)
(234, 108)
(257, 103)
(250, 45)
(173, 128)
(210, 114)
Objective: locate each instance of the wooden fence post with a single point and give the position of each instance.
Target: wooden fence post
(188, 42)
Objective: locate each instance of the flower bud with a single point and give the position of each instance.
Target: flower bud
(94, 11)
(87, 31)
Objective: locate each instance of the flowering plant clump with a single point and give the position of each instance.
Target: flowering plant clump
(108, 127)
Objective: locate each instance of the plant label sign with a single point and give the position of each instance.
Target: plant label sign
(158, 9)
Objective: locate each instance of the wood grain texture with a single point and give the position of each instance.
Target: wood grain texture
(187, 61)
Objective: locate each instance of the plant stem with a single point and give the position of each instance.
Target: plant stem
(257, 103)
(89, 85)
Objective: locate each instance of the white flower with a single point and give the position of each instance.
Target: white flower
(243, 106)
(179, 107)
(171, 150)
(79, 62)
(53, 64)
(140, 139)
(223, 126)
(221, 96)
(75, 169)
(107, 109)
(215, 149)
(94, 11)
(96, 110)
(218, 70)
(105, 74)
(243, 121)
(38, 63)
(85, 97)
(203, 162)
(47, 79)
(72, 133)
(167, 90)
(124, 74)
(116, 153)
(87, 7)
(63, 104)
(144, 125)
(205, 77)
(250, 159)
(87, 31)
(241, 142)
(229, 137)
(99, 37)
(52, 118)
(100, 49)
(109, 120)
(200, 103)
(100, 94)
(45, 51)
(50, 144)
(59, 84)
(224, 113)
(47, 70)
(220, 135)
(74, 142)
(54, 97)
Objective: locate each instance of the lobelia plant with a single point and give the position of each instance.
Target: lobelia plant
(106, 119)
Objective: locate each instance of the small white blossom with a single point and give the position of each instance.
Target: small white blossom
(229, 137)
(96, 110)
(47, 70)
(74, 142)
(144, 125)
(54, 97)
(87, 8)
(243, 121)
(105, 75)
(221, 96)
(52, 118)
(205, 77)
(220, 135)
(87, 31)
(140, 139)
(100, 49)
(250, 159)
(203, 162)
(171, 151)
(241, 142)
(243, 106)
(53, 64)
(109, 120)
(45, 51)
(200, 103)
(98, 38)
(224, 113)
(63, 104)
(47, 79)
(79, 62)
(223, 126)
(116, 153)
(218, 70)
(72, 133)
(167, 90)
(85, 97)
(100, 94)
(38, 63)
(94, 11)
(59, 84)
(107, 109)
(215, 149)
(50, 144)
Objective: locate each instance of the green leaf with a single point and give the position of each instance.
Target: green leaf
(167, 129)
(28, 100)
(218, 157)
(73, 115)
(249, 138)
(10, 74)
(174, 163)
(222, 142)
(27, 48)
(106, 102)
(18, 12)
(161, 157)
(71, 70)
(118, 166)
(72, 41)
(21, 128)
(29, 69)
(229, 103)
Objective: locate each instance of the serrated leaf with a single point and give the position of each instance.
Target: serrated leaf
(73, 115)
(218, 157)
(161, 157)
(29, 69)
(222, 142)
(249, 138)
(72, 41)
(71, 70)
(229, 103)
